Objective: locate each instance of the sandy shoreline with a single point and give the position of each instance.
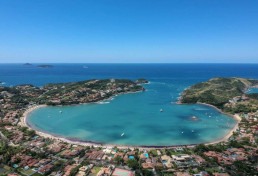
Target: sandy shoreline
(23, 122)
(230, 133)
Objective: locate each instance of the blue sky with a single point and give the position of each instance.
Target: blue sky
(163, 31)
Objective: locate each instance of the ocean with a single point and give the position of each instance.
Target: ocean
(137, 116)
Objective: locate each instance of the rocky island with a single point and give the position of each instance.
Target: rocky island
(27, 64)
(45, 66)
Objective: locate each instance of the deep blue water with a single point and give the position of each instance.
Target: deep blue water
(135, 115)
(187, 74)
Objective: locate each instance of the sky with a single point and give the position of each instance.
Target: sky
(129, 31)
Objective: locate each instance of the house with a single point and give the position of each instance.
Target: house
(202, 173)
(184, 161)
(68, 169)
(45, 168)
(220, 174)
(95, 155)
(181, 158)
(166, 160)
(106, 171)
(182, 174)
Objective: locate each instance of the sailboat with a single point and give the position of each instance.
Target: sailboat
(122, 134)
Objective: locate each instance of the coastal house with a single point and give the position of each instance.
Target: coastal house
(182, 174)
(151, 163)
(184, 161)
(119, 154)
(220, 174)
(181, 158)
(107, 150)
(199, 159)
(95, 155)
(166, 161)
(45, 169)
(202, 173)
(69, 153)
(144, 155)
(106, 170)
(178, 149)
(68, 169)
(55, 147)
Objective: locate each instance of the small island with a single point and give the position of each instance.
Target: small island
(45, 66)
(27, 64)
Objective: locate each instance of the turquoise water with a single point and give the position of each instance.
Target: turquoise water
(138, 116)
(253, 90)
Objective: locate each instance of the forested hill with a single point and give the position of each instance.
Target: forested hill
(217, 91)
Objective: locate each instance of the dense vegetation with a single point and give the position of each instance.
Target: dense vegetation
(69, 93)
(216, 91)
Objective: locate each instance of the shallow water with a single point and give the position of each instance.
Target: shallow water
(138, 116)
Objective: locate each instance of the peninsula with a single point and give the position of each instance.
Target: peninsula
(227, 94)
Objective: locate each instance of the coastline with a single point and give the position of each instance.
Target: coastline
(230, 133)
(23, 122)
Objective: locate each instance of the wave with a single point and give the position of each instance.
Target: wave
(200, 109)
(103, 102)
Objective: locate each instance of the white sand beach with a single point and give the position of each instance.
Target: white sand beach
(23, 122)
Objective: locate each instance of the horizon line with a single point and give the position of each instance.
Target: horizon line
(129, 63)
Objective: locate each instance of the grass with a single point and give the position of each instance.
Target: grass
(214, 169)
(4, 169)
(26, 172)
(95, 170)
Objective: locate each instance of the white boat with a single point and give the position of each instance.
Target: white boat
(122, 134)
(60, 111)
(161, 110)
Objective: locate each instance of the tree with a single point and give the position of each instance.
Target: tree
(118, 160)
(147, 173)
(132, 163)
